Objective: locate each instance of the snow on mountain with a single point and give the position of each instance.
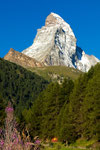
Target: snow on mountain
(83, 61)
(55, 44)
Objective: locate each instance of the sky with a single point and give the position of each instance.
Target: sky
(20, 19)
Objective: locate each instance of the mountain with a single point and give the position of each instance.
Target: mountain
(50, 45)
(54, 73)
(50, 73)
(55, 44)
(21, 59)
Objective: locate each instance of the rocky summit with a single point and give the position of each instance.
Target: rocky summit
(21, 59)
(55, 44)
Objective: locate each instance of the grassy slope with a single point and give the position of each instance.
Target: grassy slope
(57, 72)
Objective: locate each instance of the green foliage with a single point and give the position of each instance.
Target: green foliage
(91, 107)
(68, 111)
(19, 86)
(46, 109)
(81, 117)
(2, 111)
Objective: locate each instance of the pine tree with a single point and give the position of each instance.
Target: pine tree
(91, 108)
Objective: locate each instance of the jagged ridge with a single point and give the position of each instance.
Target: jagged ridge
(55, 44)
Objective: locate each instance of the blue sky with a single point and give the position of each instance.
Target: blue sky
(20, 19)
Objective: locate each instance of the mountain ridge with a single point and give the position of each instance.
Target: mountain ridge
(22, 59)
(55, 44)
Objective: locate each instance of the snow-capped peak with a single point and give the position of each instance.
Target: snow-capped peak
(55, 44)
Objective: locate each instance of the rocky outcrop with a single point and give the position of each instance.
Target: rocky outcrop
(22, 59)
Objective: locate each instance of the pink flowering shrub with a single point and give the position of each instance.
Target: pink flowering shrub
(37, 142)
(9, 109)
(10, 138)
(1, 143)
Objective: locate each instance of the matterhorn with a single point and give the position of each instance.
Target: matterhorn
(55, 45)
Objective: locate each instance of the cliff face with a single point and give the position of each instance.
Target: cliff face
(83, 61)
(21, 59)
(55, 44)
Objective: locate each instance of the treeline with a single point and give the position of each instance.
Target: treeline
(19, 86)
(68, 111)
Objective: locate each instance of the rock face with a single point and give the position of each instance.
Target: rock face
(21, 59)
(83, 61)
(55, 44)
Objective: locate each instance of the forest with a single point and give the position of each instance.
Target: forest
(19, 86)
(68, 111)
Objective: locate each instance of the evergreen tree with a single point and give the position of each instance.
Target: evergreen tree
(19, 85)
(91, 108)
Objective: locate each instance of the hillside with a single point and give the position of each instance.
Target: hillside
(50, 73)
(57, 73)
(69, 111)
(19, 85)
